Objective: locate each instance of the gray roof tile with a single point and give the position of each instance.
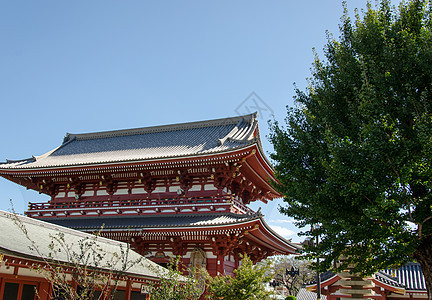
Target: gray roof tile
(409, 275)
(153, 221)
(388, 279)
(14, 241)
(169, 141)
(303, 294)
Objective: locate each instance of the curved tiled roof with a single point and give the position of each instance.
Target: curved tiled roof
(153, 221)
(140, 144)
(410, 276)
(19, 235)
(387, 279)
(171, 222)
(323, 277)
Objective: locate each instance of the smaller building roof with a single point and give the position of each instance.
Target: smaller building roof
(409, 275)
(304, 294)
(20, 236)
(388, 279)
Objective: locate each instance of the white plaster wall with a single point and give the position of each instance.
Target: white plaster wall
(122, 192)
(160, 189)
(28, 272)
(88, 194)
(102, 192)
(173, 188)
(195, 188)
(210, 187)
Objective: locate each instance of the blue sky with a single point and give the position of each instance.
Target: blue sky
(85, 66)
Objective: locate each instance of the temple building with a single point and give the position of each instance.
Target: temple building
(168, 190)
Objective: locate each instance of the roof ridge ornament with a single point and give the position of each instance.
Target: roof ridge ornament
(68, 140)
(247, 135)
(66, 137)
(230, 134)
(159, 128)
(30, 159)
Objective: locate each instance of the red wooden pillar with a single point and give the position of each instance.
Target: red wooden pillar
(1, 286)
(128, 292)
(237, 258)
(220, 264)
(44, 290)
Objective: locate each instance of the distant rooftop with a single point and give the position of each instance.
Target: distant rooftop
(140, 144)
(410, 276)
(303, 294)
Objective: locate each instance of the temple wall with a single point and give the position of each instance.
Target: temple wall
(136, 188)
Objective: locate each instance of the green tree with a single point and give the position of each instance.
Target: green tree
(354, 160)
(248, 283)
(172, 285)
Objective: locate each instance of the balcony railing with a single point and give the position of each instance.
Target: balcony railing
(204, 204)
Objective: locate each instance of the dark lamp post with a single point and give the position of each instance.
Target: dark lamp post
(274, 283)
(283, 279)
(293, 272)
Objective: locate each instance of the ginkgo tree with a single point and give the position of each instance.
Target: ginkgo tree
(354, 157)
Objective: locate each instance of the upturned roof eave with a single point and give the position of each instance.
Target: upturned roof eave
(242, 151)
(126, 163)
(324, 283)
(267, 176)
(390, 287)
(279, 237)
(248, 138)
(171, 227)
(272, 238)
